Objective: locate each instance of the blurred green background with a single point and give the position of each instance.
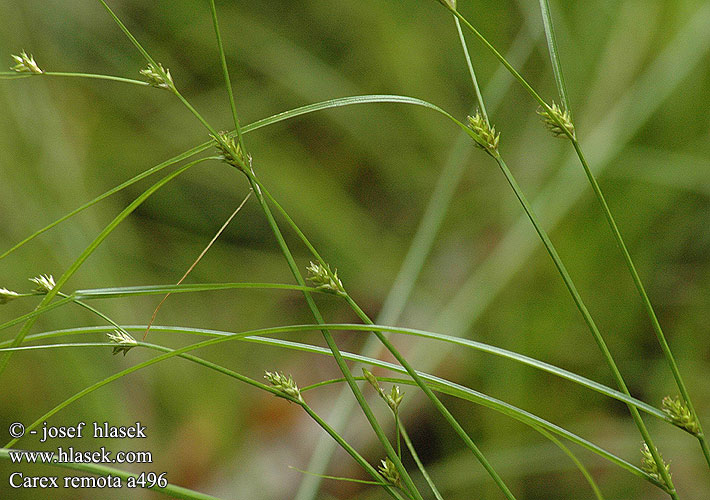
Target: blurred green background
(358, 181)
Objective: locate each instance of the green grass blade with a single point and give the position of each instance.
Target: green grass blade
(90, 249)
(132, 291)
(554, 55)
(35, 313)
(225, 72)
(264, 122)
(578, 463)
(478, 346)
(437, 383)
(648, 307)
(419, 249)
(213, 366)
(10, 75)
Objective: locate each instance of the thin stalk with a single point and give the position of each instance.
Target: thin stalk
(665, 348)
(12, 75)
(397, 435)
(472, 73)
(588, 320)
(554, 55)
(617, 375)
(577, 462)
(94, 311)
(497, 54)
(160, 70)
(225, 72)
(342, 365)
(415, 456)
(197, 260)
(650, 311)
(434, 399)
(297, 274)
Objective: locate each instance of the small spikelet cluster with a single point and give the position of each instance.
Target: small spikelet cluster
(25, 64)
(323, 278)
(7, 295)
(680, 414)
(393, 399)
(45, 283)
(158, 77)
(390, 473)
(229, 150)
(649, 466)
(557, 121)
(122, 340)
(487, 134)
(284, 384)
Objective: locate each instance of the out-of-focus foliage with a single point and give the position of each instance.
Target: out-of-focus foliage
(358, 180)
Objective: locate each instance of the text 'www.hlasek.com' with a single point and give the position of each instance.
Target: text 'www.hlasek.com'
(86, 468)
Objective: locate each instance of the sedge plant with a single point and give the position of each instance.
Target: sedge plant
(391, 474)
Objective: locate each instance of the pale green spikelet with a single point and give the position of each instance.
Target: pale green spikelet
(284, 384)
(390, 473)
(487, 138)
(123, 340)
(45, 283)
(372, 380)
(230, 150)
(393, 399)
(7, 295)
(557, 121)
(680, 414)
(158, 77)
(649, 465)
(323, 278)
(25, 64)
